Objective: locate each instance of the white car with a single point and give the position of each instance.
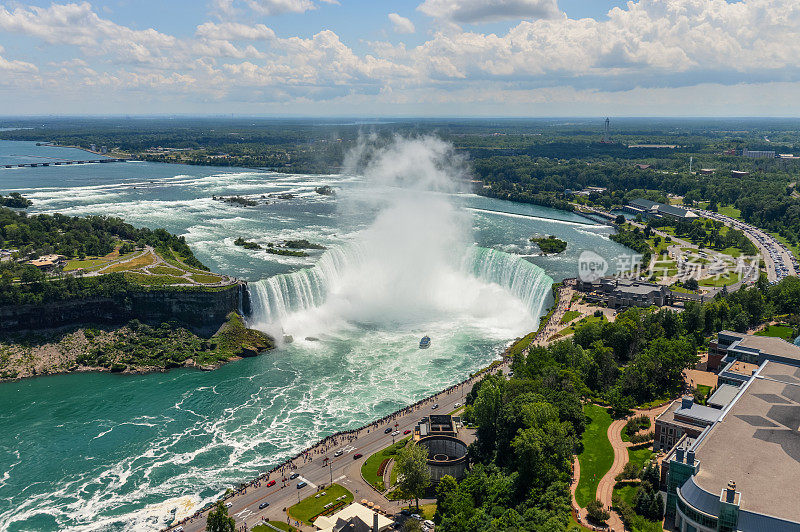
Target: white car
(338, 453)
(228, 504)
(457, 405)
(396, 433)
(428, 523)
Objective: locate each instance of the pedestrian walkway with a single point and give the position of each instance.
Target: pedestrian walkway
(605, 489)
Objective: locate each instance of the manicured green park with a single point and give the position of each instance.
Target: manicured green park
(314, 505)
(570, 315)
(277, 524)
(777, 331)
(370, 467)
(597, 455)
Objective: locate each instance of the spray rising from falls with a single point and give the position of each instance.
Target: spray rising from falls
(272, 300)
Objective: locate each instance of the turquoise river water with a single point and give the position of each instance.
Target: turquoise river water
(111, 452)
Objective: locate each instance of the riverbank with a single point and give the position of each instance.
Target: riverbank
(254, 491)
(134, 348)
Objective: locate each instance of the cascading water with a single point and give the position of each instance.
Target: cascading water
(526, 281)
(273, 299)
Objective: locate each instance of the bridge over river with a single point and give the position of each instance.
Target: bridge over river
(63, 163)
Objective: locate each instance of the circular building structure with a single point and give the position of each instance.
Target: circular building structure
(446, 456)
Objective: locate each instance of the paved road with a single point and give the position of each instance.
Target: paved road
(779, 260)
(343, 470)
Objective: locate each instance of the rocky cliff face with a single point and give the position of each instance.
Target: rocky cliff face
(202, 311)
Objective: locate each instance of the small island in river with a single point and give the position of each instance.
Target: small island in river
(550, 245)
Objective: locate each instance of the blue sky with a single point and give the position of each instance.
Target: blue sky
(407, 58)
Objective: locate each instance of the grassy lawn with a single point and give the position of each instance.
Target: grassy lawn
(570, 315)
(425, 510)
(725, 279)
(733, 252)
(145, 260)
(574, 525)
(704, 389)
(95, 263)
(571, 329)
(154, 280)
(626, 491)
(681, 289)
(369, 468)
(654, 403)
(730, 210)
(777, 331)
(665, 267)
(205, 278)
(597, 455)
(640, 455)
(276, 524)
(312, 506)
(166, 270)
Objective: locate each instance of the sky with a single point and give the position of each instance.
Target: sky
(464, 58)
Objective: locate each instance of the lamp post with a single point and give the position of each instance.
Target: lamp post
(330, 468)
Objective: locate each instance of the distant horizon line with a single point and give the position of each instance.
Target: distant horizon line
(394, 117)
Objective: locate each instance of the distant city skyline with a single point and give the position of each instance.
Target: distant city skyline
(401, 58)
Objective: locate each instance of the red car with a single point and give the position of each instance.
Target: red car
(405, 432)
(357, 456)
(270, 483)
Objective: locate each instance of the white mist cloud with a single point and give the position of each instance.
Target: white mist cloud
(406, 270)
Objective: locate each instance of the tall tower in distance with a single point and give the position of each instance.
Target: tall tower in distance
(607, 132)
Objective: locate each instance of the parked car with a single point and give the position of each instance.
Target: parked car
(263, 505)
(294, 476)
(405, 511)
(434, 407)
(302, 484)
(228, 504)
(388, 430)
(416, 516)
(357, 456)
(270, 483)
(428, 523)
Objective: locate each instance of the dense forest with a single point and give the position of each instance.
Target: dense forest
(529, 426)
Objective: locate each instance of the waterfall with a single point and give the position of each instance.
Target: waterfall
(274, 298)
(526, 281)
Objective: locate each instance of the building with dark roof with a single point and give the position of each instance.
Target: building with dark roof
(653, 209)
(623, 293)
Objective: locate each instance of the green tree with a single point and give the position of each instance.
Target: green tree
(219, 520)
(412, 465)
(596, 513)
(444, 491)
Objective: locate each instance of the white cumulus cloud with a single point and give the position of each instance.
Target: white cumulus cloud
(475, 11)
(401, 24)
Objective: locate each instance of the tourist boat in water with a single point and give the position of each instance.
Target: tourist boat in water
(425, 342)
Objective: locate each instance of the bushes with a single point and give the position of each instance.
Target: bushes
(596, 513)
(642, 437)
